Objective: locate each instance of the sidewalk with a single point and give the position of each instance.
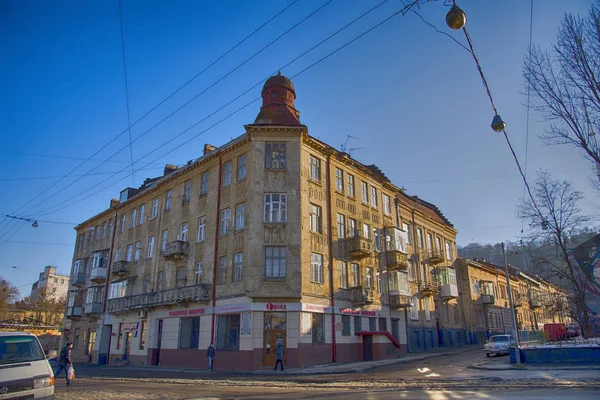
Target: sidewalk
(493, 365)
(331, 368)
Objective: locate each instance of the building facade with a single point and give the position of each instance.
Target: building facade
(272, 237)
(50, 283)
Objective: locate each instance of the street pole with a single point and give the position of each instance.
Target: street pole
(512, 308)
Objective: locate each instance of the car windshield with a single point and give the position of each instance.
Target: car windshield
(15, 349)
(496, 339)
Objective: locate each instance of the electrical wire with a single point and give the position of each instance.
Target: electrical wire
(149, 112)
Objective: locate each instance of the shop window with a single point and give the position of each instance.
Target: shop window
(228, 332)
(318, 328)
(189, 332)
(346, 325)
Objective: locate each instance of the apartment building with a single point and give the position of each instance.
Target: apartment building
(272, 237)
(51, 284)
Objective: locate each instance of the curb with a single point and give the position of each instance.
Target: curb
(522, 367)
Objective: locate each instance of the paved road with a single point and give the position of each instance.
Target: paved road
(444, 377)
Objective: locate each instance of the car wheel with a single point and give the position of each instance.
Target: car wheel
(487, 355)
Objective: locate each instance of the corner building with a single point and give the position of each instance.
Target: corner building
(274, 236)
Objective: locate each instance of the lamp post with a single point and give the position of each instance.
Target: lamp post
(34, 223)
(512, 308)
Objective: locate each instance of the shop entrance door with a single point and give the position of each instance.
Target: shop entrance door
(274, 332)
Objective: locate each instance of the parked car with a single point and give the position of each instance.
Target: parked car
(498, 344)
(25, 371)
(573, 331)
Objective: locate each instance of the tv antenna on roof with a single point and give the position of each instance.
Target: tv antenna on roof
(345, 148)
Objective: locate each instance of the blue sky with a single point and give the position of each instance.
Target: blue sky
(410, 94)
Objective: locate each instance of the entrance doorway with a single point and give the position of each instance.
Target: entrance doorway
(274, 332)
(127, 346)
(156, 351)
(368, 347)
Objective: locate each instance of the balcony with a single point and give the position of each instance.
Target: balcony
(74, 311)
(487, 299)
(120, 270)
(448, 291)
(361, 295)
(92, 308)
(517, 301)
(535, 303)
(98, 274)
(176, 249)
(78, 279)
(359, 247)
(399, 301)
(429, 288)
(434, 257)
(169, 297)
(396, 261)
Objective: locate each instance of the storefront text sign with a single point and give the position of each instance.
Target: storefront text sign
(318, 308)
(232, 308)
(246, 328)
(129, 326)
(276, 307)
(364, 313)
(183, 313)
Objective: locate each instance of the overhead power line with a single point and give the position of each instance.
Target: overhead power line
(147, 113)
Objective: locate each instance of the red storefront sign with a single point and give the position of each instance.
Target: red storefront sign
(183, 313)
(364, 313)
(276, 307)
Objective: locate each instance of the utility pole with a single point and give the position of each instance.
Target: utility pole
(512, 308)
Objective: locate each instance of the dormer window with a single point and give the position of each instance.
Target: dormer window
(273, 94)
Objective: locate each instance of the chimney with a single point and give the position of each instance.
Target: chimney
(170, 168)
(208, 148)
(114, 203)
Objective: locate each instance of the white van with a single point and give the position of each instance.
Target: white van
(24, 369)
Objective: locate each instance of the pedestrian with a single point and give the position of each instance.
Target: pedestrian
(64, 362)
(210, 354)
(279, 356)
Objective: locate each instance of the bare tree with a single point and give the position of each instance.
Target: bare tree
(8, 295)
(46, 307)
(555, 218)
(565, 83)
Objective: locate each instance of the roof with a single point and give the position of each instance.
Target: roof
(425, 207)
(4, 334)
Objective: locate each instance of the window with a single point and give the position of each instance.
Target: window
(369, 276)
(315, 219)
(357, 324)
(275, 207)
(373, 324)
(438, 241)
(343, 274)
(147, 288)
(222, 271)
(414, 308)
(198, 272)
(226, 181)
(403, 284)
(354, 275)
(275, 262)
(373, 197)
(138, 251)
(316, 266)
(352, 228)
(201, 229)
(240, 210)
(150, 246)
(155, 207)
(118, 254)
(142, 208)
(133, 215)
(117, 289)
(315, 169)
(420, 237)
(383, 324)
(365, 192)
(427, 310)
(183, 236)
(339, 180)
(161, 282)
(318, 328)
(387, 206)
(238, 261)
(341, 226)
(379, 283)
(204, 184)
(346, 325)
(225, 214)
(163, 240)
(129, 252)
(366, 231)
(350, 179)
(110, 228)
(168, 200)
(376, 240)
(406, 228)
(241, 168)
(103, 233)
(228, 332)
(187, 191)
(142, 334)
(448, 251)
(189, 332)
(429, 242)
(91, 342)
(122, 226)
(275, 155)
(180, 277)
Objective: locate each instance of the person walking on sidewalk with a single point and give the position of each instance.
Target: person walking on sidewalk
(210, 354)
(279, 356)
(64, 362)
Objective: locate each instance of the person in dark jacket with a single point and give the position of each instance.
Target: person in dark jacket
(210, 354)
(279, 356)
(64, 362)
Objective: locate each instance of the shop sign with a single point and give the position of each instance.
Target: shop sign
(232, 308)
(364, 313)
(246, 328)
(183, 313)
(129, 326)
(276, 307)
(317, 308)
